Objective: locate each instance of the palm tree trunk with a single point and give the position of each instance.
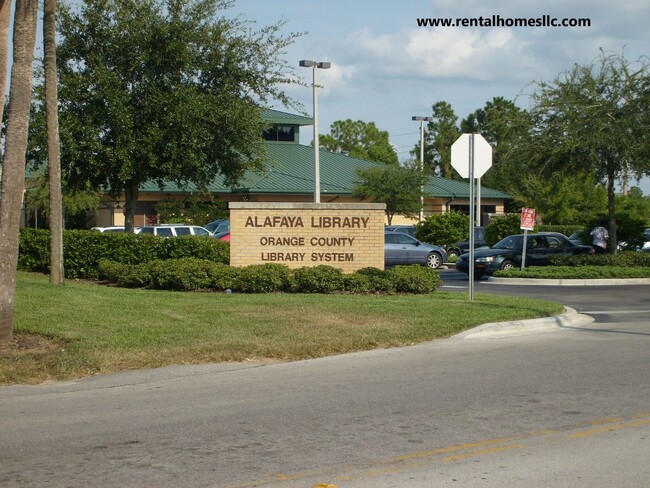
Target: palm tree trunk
(13, 178)
(5, 17)
(53, 145)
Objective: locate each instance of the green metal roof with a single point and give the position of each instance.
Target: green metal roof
(290, 170)
(283, 118)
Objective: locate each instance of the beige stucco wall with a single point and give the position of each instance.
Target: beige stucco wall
(349, 236)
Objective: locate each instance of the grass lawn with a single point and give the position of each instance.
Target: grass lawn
(84, 328)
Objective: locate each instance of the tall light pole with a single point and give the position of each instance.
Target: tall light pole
(316, 65)
(422, 121)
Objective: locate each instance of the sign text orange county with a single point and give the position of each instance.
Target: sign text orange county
(338, 247)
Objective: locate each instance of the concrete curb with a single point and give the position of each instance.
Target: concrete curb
(570, 317)
(568, 282)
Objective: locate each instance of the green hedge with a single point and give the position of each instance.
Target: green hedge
(189, 274)
(83, 250)
(571, 272)
(621, 259)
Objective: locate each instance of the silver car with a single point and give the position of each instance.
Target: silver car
(402, 249)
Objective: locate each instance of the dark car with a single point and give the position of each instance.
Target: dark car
(506, 254)
(463, 246)
(402, 249)
(219, 225)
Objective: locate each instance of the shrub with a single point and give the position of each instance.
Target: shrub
(444, 229)
(502, 226)
(222, 277)
(180, 274)
(82, 250)
(356, 283)
(126, 275)
(263, 278)
(195, 247)
(415, 279)
(625, 258)
(379, 280)
(319, 279)
(34, 250)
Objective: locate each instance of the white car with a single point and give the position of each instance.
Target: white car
(173, 230)
(114, 228)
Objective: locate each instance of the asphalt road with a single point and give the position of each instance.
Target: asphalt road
(567, 407)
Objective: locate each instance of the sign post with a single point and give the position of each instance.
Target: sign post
(527, 223)
(471, 156)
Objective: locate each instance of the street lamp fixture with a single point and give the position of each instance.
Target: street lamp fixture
(315, 65)
(422, 120)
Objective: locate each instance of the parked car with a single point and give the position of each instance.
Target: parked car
(219, 225)
(223, 236)
(402, 249)
(646, 244)
(463, 246)
(403, 228)
(173, 230)
(576, 238)
(506, 254)
(113, 228)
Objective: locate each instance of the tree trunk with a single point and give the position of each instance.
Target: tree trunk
(13, 178)
(5, 17)
(53, 146)
(131, 191)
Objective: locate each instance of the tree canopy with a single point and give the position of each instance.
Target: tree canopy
(164, 90)
(501, 123)
(441, 133)
(361, 140)
(396, 186)
(593, 119)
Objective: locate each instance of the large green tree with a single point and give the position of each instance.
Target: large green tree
(361, 140)
(594, 119)
(561, 198)
(164, 90)
(502, 123)
(440, 134)
(396, 186)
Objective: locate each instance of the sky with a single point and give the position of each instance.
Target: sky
(386, 69)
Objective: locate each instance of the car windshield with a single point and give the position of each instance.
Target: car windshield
(510, 242)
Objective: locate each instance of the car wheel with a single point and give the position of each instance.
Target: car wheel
(434, 260)
(453, 253)
(507, 264)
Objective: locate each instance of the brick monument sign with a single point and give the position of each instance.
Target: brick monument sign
(349, 236)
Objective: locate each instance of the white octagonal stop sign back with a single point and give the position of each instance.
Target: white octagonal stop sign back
(460, 155)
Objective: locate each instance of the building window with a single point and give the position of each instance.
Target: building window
(465, 208)
(283, 133)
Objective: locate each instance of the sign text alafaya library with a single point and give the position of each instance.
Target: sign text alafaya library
(318, 223)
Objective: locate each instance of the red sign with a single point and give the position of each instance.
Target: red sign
(527, 219)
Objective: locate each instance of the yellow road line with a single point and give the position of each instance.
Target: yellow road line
(482, 452)
(608, 428)
(478, 448)
(459, 447)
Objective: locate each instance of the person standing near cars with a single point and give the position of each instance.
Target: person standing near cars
(600, 236)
